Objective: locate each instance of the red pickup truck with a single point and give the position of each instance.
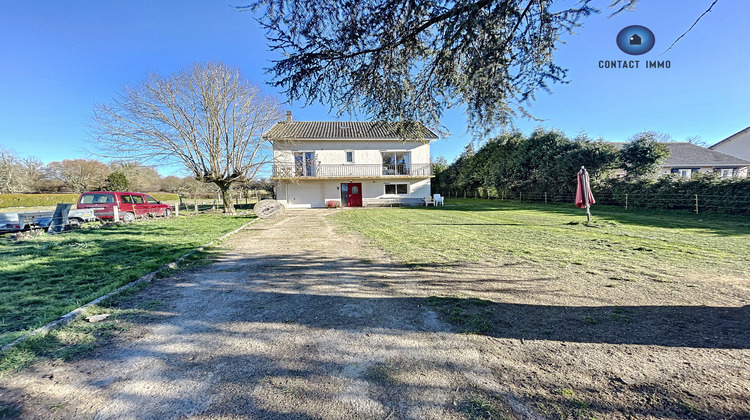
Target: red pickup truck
(129, 205)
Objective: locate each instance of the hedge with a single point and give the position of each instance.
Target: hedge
(711, 194)
(728, 196)
(44, 200)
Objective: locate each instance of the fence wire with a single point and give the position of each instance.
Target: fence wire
(698, 203)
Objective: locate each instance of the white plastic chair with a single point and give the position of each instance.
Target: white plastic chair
(428, 200)
(438, 200)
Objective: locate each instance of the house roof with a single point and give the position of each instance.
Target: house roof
(340, 130)
(683, 154)
(730, 138)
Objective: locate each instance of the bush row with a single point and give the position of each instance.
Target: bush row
(709, 193)
(43, 200)
(671, 192)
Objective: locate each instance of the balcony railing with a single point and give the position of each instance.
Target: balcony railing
(350, 170)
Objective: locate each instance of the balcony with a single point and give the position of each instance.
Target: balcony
(351, 170)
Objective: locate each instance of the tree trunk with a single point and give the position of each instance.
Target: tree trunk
(226, 197)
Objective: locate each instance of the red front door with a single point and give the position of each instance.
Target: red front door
(354, 195)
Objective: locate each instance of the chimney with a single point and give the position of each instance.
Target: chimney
(289, 116)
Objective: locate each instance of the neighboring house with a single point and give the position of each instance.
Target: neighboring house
(737, 145)
(350, 164)
(686, 159)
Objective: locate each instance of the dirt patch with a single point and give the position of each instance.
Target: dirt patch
(301, 320)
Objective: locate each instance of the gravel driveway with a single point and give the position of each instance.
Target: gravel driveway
(299, 319)
(295, 321)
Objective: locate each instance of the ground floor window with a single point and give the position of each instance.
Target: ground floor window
(727, 173)
(400, 189)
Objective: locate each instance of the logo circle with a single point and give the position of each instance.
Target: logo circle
(635, 40)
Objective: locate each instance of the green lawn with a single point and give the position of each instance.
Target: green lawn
(45, 277)
(628, 244)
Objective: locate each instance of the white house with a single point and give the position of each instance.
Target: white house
(737, 145)
(349, 164)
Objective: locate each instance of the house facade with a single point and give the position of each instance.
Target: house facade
(349, 164)
(737, 145)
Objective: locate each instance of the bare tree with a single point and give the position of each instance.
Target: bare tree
(34, 173)
(172, 184)
(140, 177)
(206, 117)
(11, 172)
(79, 175)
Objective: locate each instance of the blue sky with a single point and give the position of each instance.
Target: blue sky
(60, 58)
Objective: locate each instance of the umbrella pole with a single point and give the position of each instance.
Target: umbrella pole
(585, 176)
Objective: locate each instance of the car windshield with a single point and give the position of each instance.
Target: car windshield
(97, 198)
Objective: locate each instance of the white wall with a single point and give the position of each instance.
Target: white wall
(418, 188)
(742, 172)
(739, 146)
(307, 194)
(365, 152)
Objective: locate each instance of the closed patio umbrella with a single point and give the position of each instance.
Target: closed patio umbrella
(584, 197)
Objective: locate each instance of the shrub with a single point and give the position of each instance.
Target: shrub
(35, 200)
(729, 196)
(44, 200)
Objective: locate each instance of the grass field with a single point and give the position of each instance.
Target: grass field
(625, 245)
(46, 276)
(574, 307)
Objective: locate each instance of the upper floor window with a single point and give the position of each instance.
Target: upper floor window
(396, 163)
(304, 163)
(350, 156)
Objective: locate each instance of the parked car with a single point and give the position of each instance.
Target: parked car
(129, 204)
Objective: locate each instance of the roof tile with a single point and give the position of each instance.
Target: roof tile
(683, 154)
(350, 130)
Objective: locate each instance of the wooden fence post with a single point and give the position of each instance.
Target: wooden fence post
(196, 206)
(116, 214)
(626, 201)
(696, 204)
(545, 197)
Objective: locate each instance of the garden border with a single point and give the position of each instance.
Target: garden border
(146, 278)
